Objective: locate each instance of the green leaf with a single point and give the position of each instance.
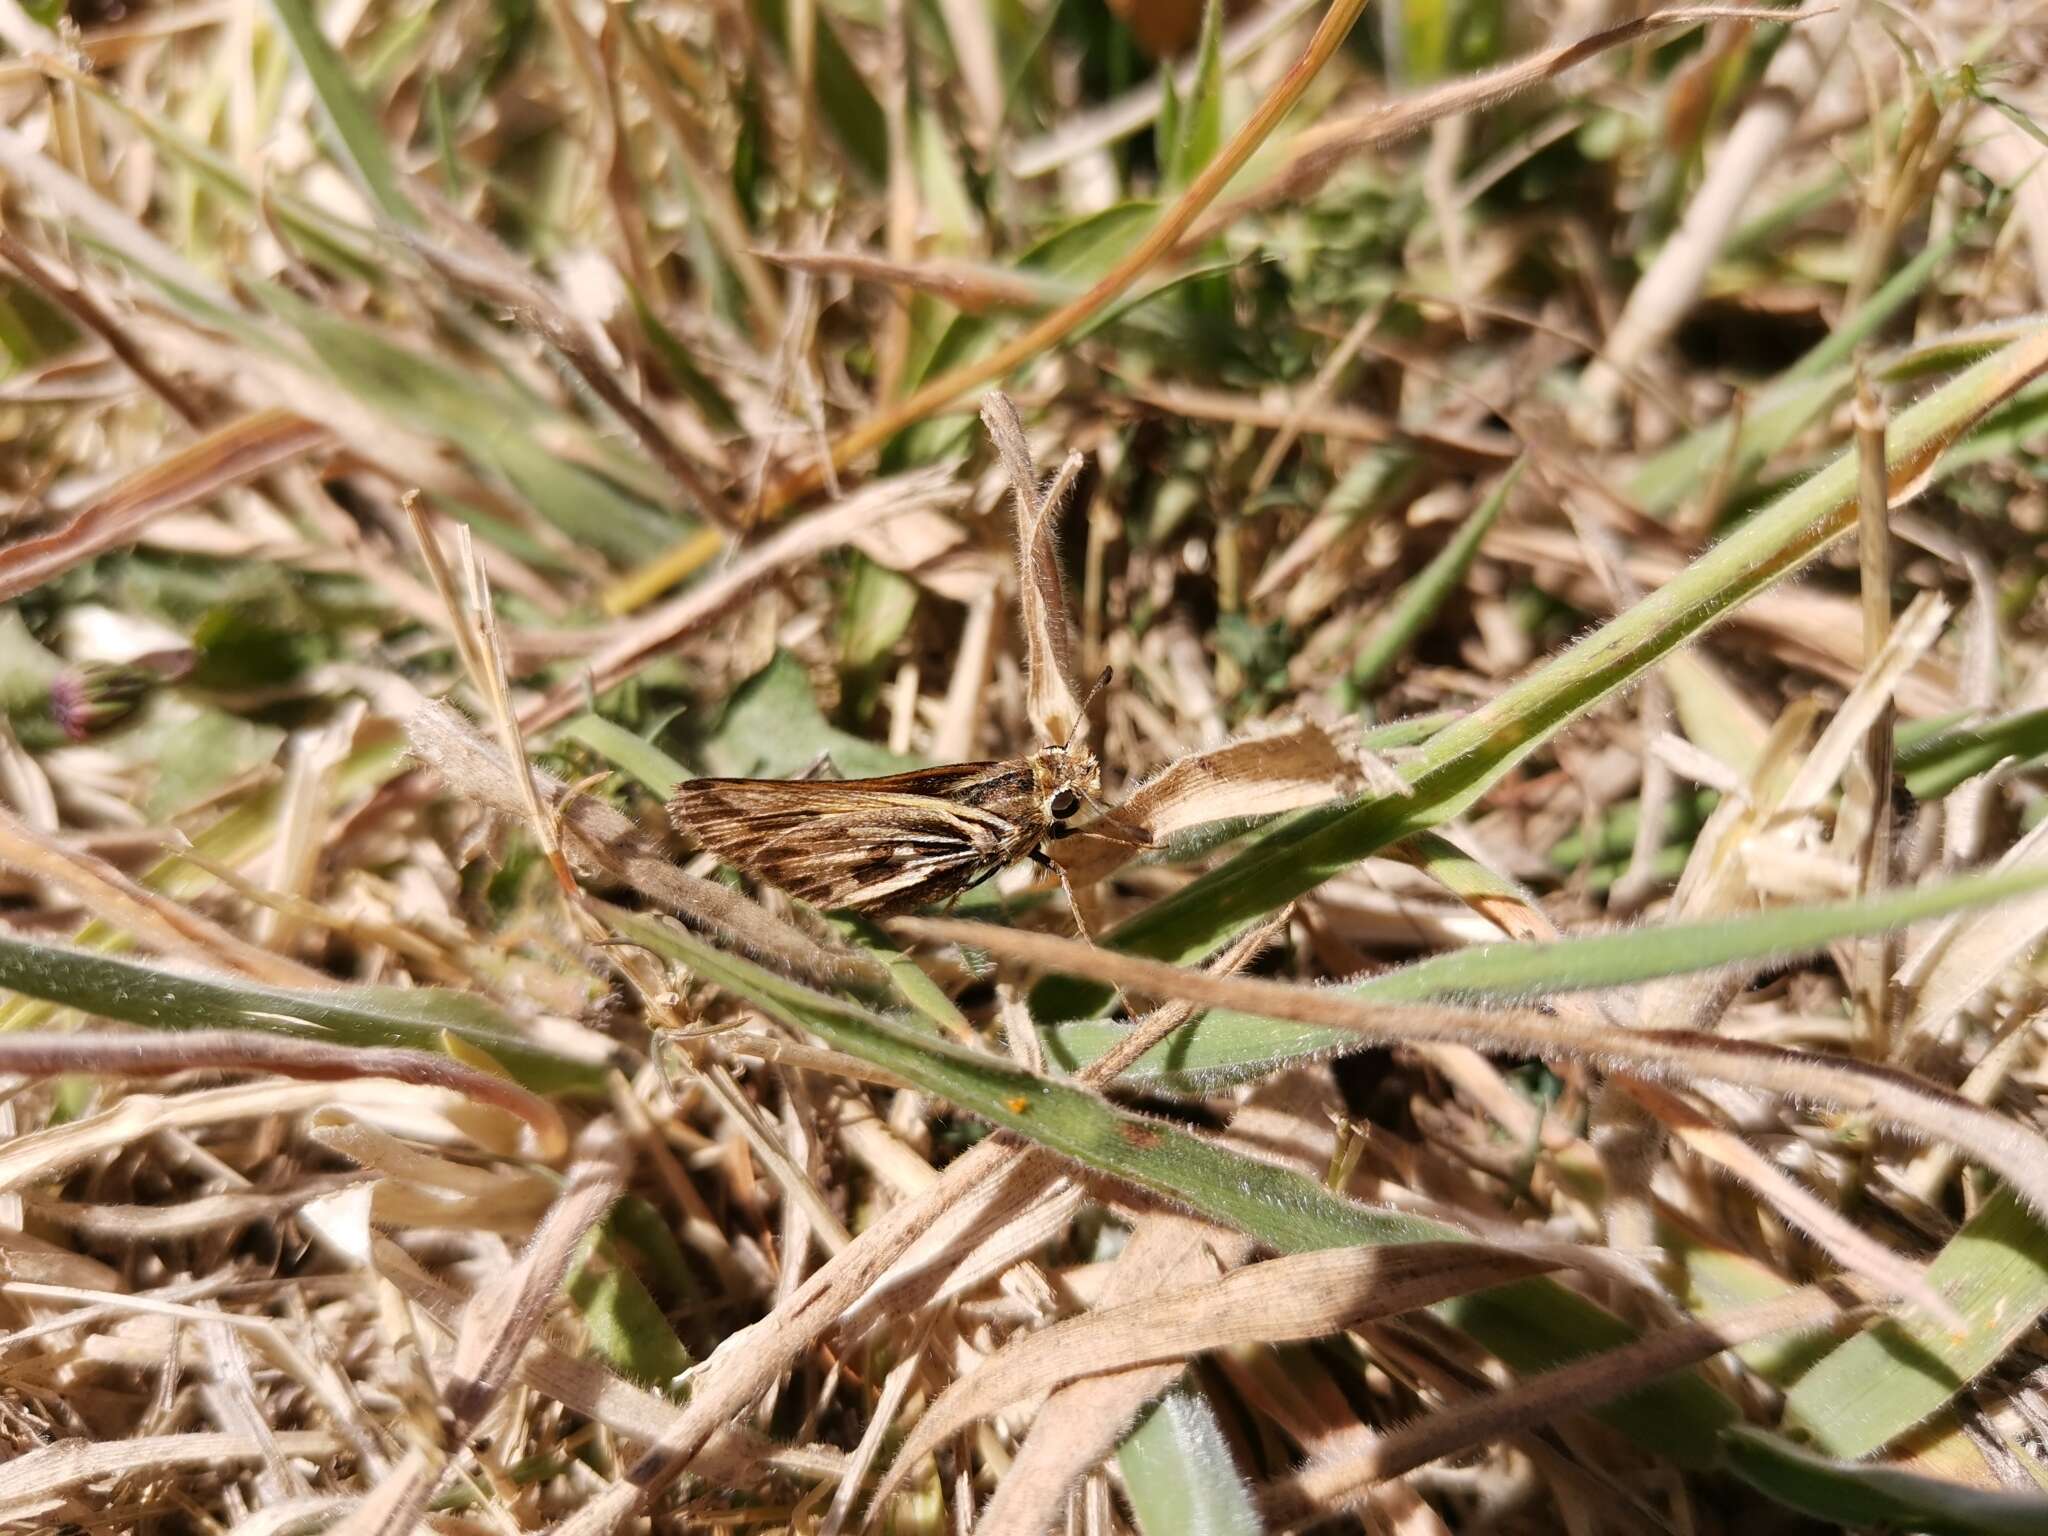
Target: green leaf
(1458, 764)
(1531, 1324)
(1848, 1495)
(644, 761)
(1419, 600)
(160, 999)
(1179, 1474)
(1225, 1046)
(842, 93)
(1200, 120)
(233, 838)
(497, 427)
(1934, 766)
(190, 749)
(355, 127)
(623, 1323)
(1876, 1386)
(1080, 251)
(875, 614)
(772, 728)
(1799, 395)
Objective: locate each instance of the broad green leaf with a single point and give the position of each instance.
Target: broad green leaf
(1873, 1388)
(772, 728)
(155, 998)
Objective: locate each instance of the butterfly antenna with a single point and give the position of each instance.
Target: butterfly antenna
(1081, 718)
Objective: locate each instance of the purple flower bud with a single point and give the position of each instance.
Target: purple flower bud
(95, 696)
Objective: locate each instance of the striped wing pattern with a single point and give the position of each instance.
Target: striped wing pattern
(866, 845)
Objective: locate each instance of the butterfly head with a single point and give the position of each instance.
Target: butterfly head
(1064, 779)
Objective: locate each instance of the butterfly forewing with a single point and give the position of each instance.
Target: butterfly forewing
(868, 845)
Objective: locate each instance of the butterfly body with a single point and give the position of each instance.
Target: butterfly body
(890, 844)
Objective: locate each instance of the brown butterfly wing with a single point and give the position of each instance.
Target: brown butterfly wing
(867, 845)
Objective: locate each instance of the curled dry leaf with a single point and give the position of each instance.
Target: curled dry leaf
(1250, 779)
(1052, 702)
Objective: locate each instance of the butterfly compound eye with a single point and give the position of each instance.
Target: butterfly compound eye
(1063, 804)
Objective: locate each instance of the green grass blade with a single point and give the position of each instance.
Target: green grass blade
(1878, 1385)
(161, 999)
(1420, 598)
(1461, 762)
(1532, 1324)
(1798, 396)
(640, 759)
(1179, 1474)
(234, 838)
(1847, 1495)
(1227, 1046)
(1936, 765)
(355, 126)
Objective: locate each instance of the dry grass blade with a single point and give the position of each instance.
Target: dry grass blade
(164, 925)
(394, 1504)
(1082, 1421)
(1313, 154)
(749, 1360)
(1850, 1246)
(89, 313)
(1299, 1296)
(637, 641)
(970, 289)
(622, 292)
(1920, 1108)
(501, 1321)
(30, 1479)
(608, 841)
(227, 456)
(136, 1055)
(46, 1153)
(476, 263)
(943, 391)
(1335, 1484)
(1052, 701)
(586, 1387)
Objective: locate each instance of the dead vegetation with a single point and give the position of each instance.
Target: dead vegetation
(1564, 1051)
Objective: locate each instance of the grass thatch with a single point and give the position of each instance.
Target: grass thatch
(1547, 1034)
